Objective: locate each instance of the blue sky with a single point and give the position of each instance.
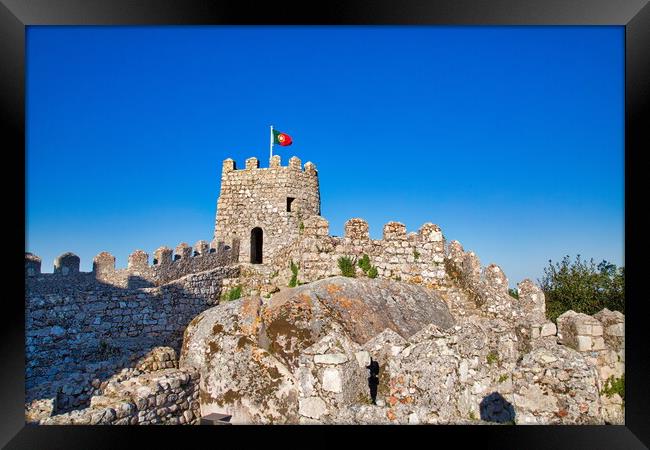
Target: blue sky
(509, 138)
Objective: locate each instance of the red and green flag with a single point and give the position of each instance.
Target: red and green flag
(280, 138)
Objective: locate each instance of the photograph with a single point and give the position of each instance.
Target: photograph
(324, 225)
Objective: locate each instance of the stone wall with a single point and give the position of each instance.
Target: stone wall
(331, 376)
(165, 397)
(79, 328)
(167, 266)
(601, 339)
(257, 197)
(416, 257)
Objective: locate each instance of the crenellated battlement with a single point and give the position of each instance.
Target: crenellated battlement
(275, 163)
(167, 265)
(416, 257)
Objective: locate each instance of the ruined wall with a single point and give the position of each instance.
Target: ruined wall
(80, 327)
(412, 257)
(257, 197)
(165, 397)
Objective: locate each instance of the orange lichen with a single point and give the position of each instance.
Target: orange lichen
(333, 288)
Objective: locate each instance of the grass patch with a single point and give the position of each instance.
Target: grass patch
(233, 294)
(492, 357)
(503, 378)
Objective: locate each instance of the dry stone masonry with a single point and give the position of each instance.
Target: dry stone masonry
(453, 346)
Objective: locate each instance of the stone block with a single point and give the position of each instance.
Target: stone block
(363, 359)
(332, 380)
(548, 329)
(331, 358)
(312, 407)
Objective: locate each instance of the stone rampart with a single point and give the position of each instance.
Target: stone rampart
(167, 265)
(412, 257)
(79, 327)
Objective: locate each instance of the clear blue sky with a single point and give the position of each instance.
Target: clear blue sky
(509, 138)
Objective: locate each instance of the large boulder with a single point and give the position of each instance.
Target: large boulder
(254, 358)
(295, 319)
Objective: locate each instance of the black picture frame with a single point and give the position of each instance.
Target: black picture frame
(634, 15)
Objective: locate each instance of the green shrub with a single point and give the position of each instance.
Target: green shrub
(364, 263)
(503, 378)
(614, 386)
(347, 266)
(492, 357)
(583, 287)
(301, 227)
(513, 293)
(416, 254)
(294, 277)
(372, 272)
(233, 294)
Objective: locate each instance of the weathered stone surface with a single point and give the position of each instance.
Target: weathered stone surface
(238, 376)
(613, 328)
(332, 380)
(150, 398)
(556, 385)
(335, 358)
(580, 331)
(312, 407)
(363, 307)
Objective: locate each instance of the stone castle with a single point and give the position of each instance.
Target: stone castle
(102, 346)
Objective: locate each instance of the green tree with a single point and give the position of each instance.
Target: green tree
(582, 286)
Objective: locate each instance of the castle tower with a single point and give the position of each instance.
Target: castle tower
(260, 210)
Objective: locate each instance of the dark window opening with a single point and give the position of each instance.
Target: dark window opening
(289, 202)
(177, 257)
(196, 253)
(256, 245)
(155, 261)
(213, 250)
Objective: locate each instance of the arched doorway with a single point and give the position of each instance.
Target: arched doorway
(256, 245)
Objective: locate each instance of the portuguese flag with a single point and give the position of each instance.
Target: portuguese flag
(280, 138)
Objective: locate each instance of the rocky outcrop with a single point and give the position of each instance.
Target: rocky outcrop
(255, 358)
(303, 357)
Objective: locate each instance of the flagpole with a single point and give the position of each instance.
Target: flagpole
(271, 145)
